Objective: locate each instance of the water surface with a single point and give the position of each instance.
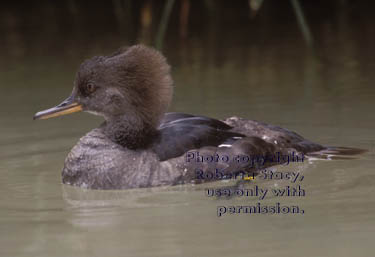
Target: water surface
(324, 94)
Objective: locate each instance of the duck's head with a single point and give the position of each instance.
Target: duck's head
(134, 82)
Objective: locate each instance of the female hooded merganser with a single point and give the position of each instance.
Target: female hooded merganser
(139, 145)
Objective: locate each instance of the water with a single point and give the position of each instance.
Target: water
(326, 95)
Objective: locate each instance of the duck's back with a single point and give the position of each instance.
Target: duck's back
(181, 132)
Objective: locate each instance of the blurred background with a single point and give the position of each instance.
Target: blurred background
(253, 58)
(307, 65)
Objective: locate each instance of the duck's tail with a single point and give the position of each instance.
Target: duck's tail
(337, 153)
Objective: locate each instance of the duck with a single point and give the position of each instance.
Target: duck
(141, 145)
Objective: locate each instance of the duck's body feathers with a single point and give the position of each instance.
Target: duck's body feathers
(97, 162)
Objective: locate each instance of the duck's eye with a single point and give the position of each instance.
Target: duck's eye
(89, 89)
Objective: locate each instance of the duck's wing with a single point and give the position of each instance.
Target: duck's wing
(181, 132)
(174, 118)
(282, 138)
(285, 139)
(184, 137)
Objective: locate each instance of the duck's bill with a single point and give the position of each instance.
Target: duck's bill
(66, 107)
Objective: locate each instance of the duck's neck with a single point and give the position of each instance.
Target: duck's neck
(132, 133)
